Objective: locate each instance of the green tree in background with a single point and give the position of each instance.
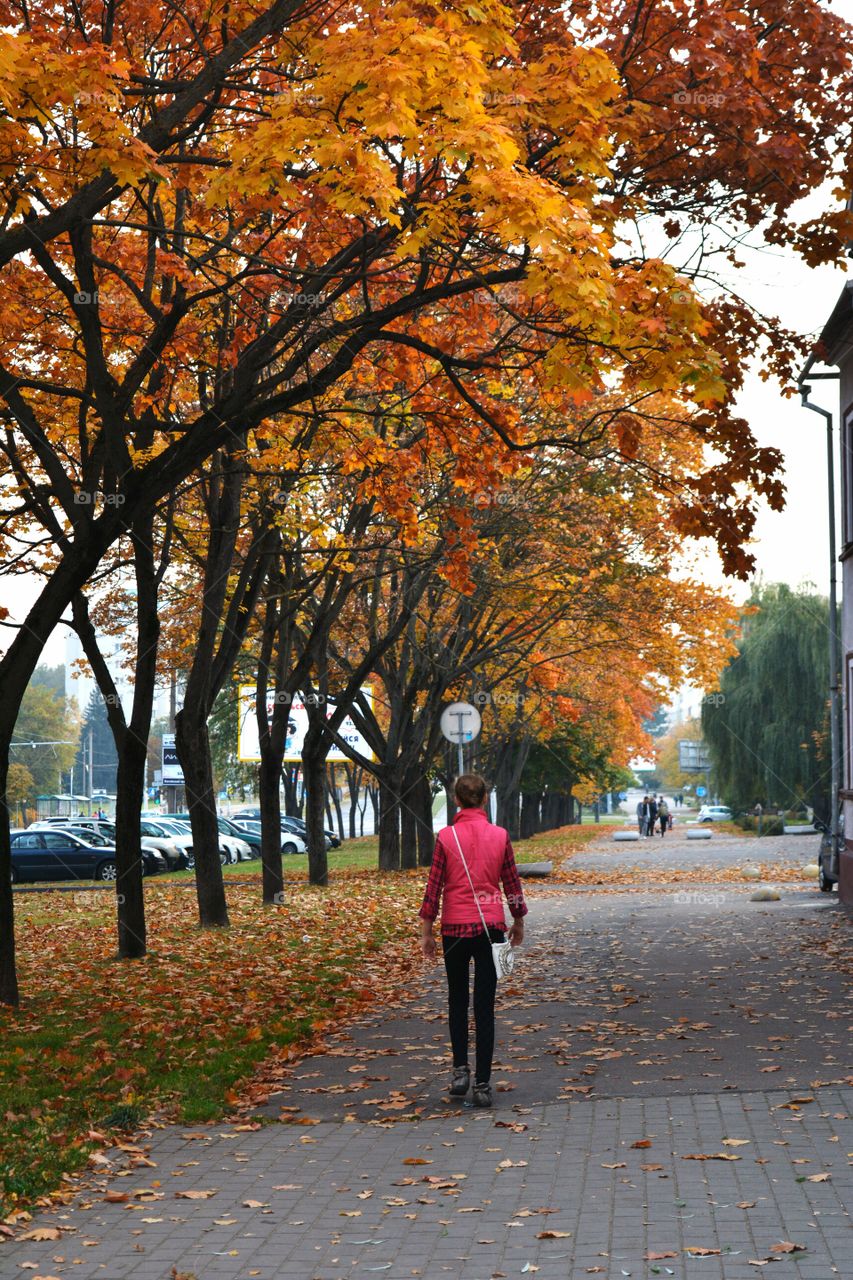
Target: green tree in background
(229, 771)
(46, 716)
(96, 735)
(765, 732)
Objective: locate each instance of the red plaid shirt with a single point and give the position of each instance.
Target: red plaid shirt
(432, 894)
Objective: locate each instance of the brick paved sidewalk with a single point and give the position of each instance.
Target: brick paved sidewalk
(669, 1010)
(341, 1201)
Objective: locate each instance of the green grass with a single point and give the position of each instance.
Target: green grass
(98, 1043)
(360, 854)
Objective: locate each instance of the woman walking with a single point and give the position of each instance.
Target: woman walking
(491, 863)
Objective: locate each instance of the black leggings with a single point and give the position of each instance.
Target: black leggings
(458, 953)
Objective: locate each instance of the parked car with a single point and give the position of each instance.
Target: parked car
(232, 848)
(176, 846)
(290, 841)
(296, 825)
(158, 841)
(826, 876)
(714, 813)
(153, 861)
(56, 854)
(300, 828)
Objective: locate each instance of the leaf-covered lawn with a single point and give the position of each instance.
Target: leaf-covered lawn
(98, 1043)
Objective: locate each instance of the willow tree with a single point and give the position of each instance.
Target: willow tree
(765, 729)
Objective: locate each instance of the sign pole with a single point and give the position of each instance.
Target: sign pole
(466, 727)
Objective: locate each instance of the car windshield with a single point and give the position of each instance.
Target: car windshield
(93, 838)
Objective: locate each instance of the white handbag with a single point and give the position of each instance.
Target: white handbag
(503, 953)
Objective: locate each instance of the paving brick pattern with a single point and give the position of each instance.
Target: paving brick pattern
(479, 1218)
(673, 1014)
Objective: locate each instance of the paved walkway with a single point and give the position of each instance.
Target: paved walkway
(674, 1078)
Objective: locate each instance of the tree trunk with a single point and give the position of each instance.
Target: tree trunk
(409, 822)
(353, 777)
(130, 903)
(508, 810)
(8, 975)
(450, 801)
(529, 814)
(193, 746)
(314, 773)
(290, 774)
(389, 824)
(426, 833)
(339, 817)
(272, 871)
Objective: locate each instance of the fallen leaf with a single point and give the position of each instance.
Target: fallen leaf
(195, 1195)
(819, 1177)
(255, 1204)
(643, 1142)
(416, 1160)
(718, 1155)
(553, 1235)
(735, 1142)
(697, 1251)
(656, 1257)
(746, 1204)
(787, 1246)
(42, 1233)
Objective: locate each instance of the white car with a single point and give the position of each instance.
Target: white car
(290, 841)
(714, 813)
(230, 848)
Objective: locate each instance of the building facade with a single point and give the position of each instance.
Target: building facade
(836, 348)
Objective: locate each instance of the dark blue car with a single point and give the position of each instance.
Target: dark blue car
(57, 855)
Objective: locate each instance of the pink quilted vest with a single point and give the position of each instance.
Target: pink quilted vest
(484, 846)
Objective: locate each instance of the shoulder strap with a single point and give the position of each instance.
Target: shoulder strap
(470, 881)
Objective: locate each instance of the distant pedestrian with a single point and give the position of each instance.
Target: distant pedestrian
(642, 813)
(663, 815)
(490, 860)
(653, 816)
